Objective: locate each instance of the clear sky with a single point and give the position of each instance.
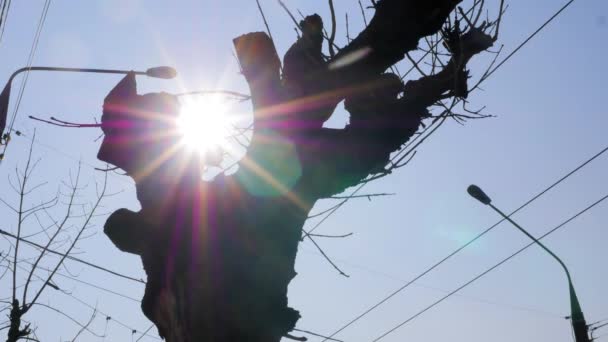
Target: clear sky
(550, 117)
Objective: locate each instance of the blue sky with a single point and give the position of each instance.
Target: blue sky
(550, 117)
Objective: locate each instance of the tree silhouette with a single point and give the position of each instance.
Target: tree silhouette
(219, 255)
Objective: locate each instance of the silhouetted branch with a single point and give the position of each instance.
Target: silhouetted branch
(331, 236)
(368, 196)
(332, 36)
(326, 256)
(18, 330)
(86, 325)
(264, 18)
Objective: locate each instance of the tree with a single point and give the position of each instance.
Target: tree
(54, 232)
(219, 255)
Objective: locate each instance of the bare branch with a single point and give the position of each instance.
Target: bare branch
(332, 36)
(86, 325)
(264, 19)
(99, 198)
(327, 257)
(19, 216)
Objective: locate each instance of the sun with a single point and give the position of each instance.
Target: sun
(203, 123)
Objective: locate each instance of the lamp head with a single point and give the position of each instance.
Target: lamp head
(478, 194)
(162, 72)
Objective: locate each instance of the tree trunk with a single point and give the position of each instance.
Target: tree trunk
(219, 255)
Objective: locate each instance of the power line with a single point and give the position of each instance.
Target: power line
(52, 148)
(488, 270)
(436, 289)
(3, 232)
(534, 198)
(530, 37)
(145, 332)
(111, 318)
(88, 284)
(108, 316)
(493, 226)
(6, 7)
(30, 59)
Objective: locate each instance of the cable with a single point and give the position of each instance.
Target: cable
(145, 332)
(3, 232)
(33, 49)
(87, 283)
(534, 198)
(530, 37)
(109, 317)
(489, 270)
(492, 227)
(4, 17)
(441, 290)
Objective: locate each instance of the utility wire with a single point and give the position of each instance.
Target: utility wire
(3, 232)
(87, 283)
(529, 38)
(52, 148)
(488, 270)
(108, 316)
(492, 227)
(30, 59)
(388, 276)
(6, 7)
(145, 332)
(385, 299)
(111, 318)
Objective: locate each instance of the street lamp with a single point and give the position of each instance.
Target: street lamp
(157, 72)
(578, 320)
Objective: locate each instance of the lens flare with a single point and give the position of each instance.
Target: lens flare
(203, 123)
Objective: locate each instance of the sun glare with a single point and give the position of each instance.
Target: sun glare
(203, 122)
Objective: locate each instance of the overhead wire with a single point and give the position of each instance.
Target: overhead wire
(489, 269)
(501, 305)
(30, 59)
(98, 287)
(84, 262)
(111, 318)
(6, 7)
(471, 241)
(108, 316)
(52, 148)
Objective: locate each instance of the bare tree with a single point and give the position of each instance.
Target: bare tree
(32, 273)
(219, 255)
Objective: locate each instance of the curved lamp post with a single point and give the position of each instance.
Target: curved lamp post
(578, 320)
(157, 72)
